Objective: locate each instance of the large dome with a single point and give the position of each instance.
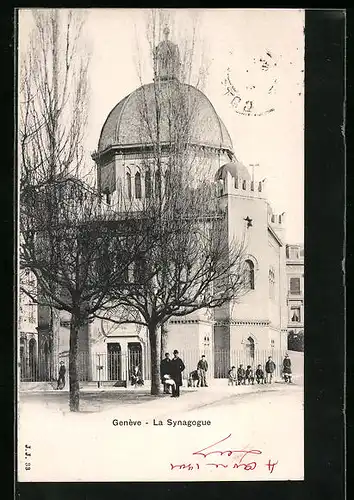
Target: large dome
(126, 123)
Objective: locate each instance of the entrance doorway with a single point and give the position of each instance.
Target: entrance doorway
(114, 361)
(135, 357)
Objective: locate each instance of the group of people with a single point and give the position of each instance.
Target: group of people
(198, 377)
(241, 376)
(171, 374)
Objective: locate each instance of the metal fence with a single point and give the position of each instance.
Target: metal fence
(117, 367)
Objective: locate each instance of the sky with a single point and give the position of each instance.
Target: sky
(233, 43)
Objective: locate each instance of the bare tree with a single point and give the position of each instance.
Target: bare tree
(190, 264)
(75, 247)
(77, 254)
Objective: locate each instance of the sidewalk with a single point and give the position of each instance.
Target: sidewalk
(121, 401)
(88, 387)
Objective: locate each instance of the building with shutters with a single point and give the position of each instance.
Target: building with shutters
(295, 287)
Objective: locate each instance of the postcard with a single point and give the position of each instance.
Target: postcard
(161, 245)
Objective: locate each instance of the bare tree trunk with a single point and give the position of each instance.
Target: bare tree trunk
(154, 337)
(74, 388)
(164, 333)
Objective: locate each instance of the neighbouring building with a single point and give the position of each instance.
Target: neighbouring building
(28, 332)
(38, 334)
(295, 288)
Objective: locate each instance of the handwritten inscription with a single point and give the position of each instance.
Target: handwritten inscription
(233, 459)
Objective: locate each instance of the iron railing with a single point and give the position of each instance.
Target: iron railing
(116, 366)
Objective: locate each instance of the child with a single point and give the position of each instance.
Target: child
(169, 383)
(232, 376)
(193, 379)
(259, 375)
(136, 377)
(249, 375)
(241, 375)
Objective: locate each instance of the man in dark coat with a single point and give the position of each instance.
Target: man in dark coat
(176, 368)
(241, 375)
(165, 370)
(249, 375)
(202, 368)
(269, 368)
(61, 377)
(287, 368)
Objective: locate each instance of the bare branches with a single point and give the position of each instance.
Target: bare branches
(53, 97)
(75, 249)
(189, 262)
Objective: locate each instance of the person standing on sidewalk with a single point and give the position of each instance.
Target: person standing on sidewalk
(287, 368)
(176, 369)
(61, 377)
(165, 370)
(270, 369)
(202, 367)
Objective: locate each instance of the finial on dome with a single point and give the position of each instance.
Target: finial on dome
(166, 31)
(167, 58)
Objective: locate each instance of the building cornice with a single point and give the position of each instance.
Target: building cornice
(148, 149)
(191, 321)
(294, 262)
(243, 323)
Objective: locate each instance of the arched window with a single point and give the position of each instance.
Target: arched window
(249, 346)
(129, 185)
(148, 184)
(107, 195)
(249, 274)
(139, 270)
(158, 184)
(138, 186)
